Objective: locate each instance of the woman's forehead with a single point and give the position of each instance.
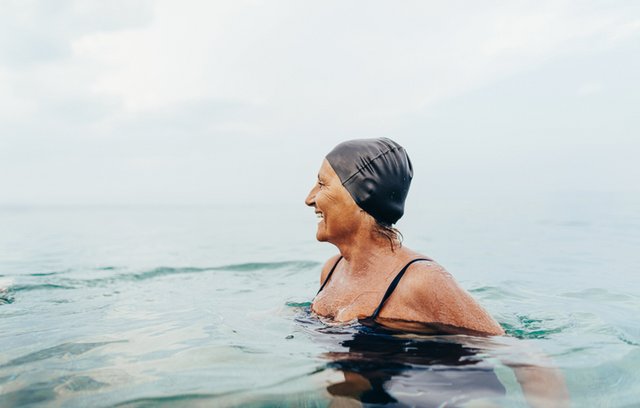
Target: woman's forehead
(326, 171)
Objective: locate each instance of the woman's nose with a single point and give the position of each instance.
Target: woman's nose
(311, 198)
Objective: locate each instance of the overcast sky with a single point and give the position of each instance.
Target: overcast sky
(127, 102)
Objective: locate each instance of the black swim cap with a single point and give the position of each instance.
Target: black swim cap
(377, 173)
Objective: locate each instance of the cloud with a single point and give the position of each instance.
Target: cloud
(384, 59)
(128, 101)
(40, 31)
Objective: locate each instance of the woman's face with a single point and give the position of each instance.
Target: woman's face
(338, 215)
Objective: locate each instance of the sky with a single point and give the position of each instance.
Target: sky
(207, 102)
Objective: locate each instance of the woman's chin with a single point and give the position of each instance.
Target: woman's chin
(320, 235)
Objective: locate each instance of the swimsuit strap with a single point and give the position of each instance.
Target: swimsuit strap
(393, 285)
(329, 275)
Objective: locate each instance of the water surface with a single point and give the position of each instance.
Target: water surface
(208, 305)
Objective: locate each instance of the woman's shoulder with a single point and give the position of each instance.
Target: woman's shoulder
(420, 266)
(428, 292)
(424, 280)
(328, 266)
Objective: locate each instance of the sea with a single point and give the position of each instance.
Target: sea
(209, 306)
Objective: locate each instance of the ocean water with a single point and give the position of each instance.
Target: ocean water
(209, 306)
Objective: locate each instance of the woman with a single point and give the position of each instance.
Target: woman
(359, 195)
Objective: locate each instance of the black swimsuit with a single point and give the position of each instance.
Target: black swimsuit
(389, 291)
(436, 372)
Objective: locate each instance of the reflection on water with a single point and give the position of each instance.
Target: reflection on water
(385, 368)
(381, 368)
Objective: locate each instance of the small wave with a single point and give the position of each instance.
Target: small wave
(628, 335)
(157, 272)
(63, 283)
(6, 299)
(46, 273)
(298, 304)
(170, 401)
(218, 399)
(62, 350)
(5, 295)
(70, 283)
(496, 293)
(51, 273)
(625, 339)
(47, 391)
(41, 286)
(255, 266)
(599, 294)
(243, 267)
(531, 328)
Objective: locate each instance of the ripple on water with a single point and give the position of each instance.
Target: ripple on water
(628, 335)
(497, 293)
(527, 327)
(46, 391)
(5, 294)
(6, 298)
(600, 294)
(55, 280)
(298, 304)
(59, 351)
(49, 273)
(40, 286)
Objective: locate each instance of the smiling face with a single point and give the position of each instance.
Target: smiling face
(339, 217)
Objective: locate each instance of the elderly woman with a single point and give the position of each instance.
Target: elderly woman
(360, 193)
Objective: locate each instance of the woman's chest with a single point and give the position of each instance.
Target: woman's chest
(346, 305)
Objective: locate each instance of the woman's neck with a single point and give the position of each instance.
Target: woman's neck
(366, 255)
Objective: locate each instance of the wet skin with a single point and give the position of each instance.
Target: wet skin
(427, 293)
(427, 299)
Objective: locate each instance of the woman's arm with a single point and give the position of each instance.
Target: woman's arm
(542, 384)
